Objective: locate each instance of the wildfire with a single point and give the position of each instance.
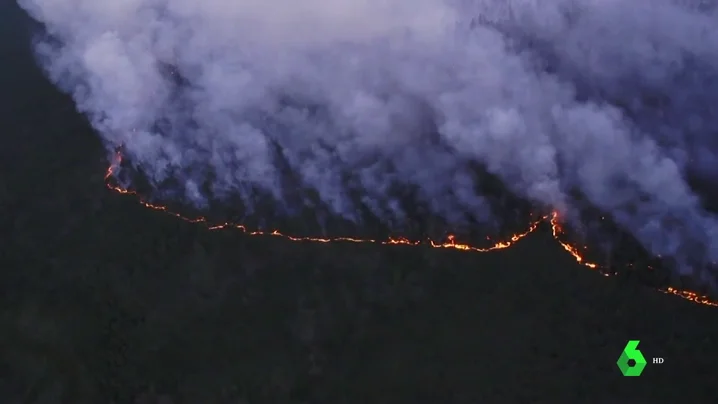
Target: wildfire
(557, 231)
(552, 219)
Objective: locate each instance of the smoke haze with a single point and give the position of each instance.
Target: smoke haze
(365, 102)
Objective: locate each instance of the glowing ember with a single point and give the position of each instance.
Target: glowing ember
(553, 219)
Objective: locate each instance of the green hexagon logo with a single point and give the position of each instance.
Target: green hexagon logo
(631, 352)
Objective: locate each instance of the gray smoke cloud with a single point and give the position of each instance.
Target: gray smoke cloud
(356, 99)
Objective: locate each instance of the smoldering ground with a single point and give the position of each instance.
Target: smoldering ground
(389, 110)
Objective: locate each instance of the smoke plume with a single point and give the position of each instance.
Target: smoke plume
(358, 105)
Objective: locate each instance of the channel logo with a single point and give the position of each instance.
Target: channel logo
(632, 362)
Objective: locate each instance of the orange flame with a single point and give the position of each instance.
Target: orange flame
(557, 231)
(451, 243)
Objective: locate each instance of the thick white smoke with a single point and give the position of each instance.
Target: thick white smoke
(360, 99)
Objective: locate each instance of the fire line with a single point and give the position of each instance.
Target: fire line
(553, 220)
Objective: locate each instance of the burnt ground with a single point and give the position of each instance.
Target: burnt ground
(105, 301)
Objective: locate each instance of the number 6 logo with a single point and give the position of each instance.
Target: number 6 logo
(630, 352)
